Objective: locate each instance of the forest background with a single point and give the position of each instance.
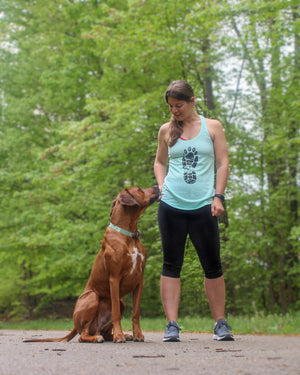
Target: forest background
(82, 86)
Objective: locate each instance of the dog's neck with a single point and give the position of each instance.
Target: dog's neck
(126, 218)
(135, 234)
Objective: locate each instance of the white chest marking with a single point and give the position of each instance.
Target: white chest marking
(134, 257)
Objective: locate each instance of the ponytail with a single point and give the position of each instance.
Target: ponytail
(180, 90)
(176, 129)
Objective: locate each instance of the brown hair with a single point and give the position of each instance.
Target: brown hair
(180, 90)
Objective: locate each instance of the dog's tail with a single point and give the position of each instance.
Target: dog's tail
(67, 338)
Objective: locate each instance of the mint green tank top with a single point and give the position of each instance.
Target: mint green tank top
(189, 183)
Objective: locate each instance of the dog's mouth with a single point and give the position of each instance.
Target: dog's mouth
(156, 196)
(154, 199)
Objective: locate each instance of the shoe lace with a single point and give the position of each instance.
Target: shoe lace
(224, 323)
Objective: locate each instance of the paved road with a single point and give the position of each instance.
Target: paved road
(195, 354)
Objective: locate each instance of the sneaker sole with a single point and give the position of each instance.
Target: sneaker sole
(223, 338)
(171, 339)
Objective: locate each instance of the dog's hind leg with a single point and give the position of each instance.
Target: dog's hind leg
(86, 337)
(85, 317)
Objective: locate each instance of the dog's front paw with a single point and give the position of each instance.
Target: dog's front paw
(128, 337)
(139, 337)
(119, 338)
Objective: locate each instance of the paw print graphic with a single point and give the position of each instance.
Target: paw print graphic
(189, 162)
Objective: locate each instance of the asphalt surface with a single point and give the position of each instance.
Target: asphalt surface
(195, 354)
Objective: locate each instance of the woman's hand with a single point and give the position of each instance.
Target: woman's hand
(217, 207)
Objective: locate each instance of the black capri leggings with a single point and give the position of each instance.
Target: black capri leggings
(201, 226)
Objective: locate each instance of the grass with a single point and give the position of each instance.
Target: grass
(288, 324)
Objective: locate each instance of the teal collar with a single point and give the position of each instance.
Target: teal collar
(123, 231)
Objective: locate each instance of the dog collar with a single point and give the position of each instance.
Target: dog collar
(123, 231)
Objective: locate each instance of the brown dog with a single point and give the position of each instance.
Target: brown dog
(118, 270)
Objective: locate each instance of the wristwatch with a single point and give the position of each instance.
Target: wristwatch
(220, 196)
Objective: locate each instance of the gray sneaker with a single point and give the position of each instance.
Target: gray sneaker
(172, 331)
(221, 331)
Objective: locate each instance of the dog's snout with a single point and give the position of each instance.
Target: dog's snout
(156, 194)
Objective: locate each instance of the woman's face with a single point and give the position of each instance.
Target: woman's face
(180, 108)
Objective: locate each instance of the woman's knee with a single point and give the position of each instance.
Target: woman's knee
(213, 273)
(171, 270)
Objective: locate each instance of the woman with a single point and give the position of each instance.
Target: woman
(190, 203)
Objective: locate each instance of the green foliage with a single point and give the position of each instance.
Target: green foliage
(82, 86)
(267, 211)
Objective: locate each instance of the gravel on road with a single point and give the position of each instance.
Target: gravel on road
(196, 353)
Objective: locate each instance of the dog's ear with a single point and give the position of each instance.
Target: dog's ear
(127, 200)
(112, 206)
